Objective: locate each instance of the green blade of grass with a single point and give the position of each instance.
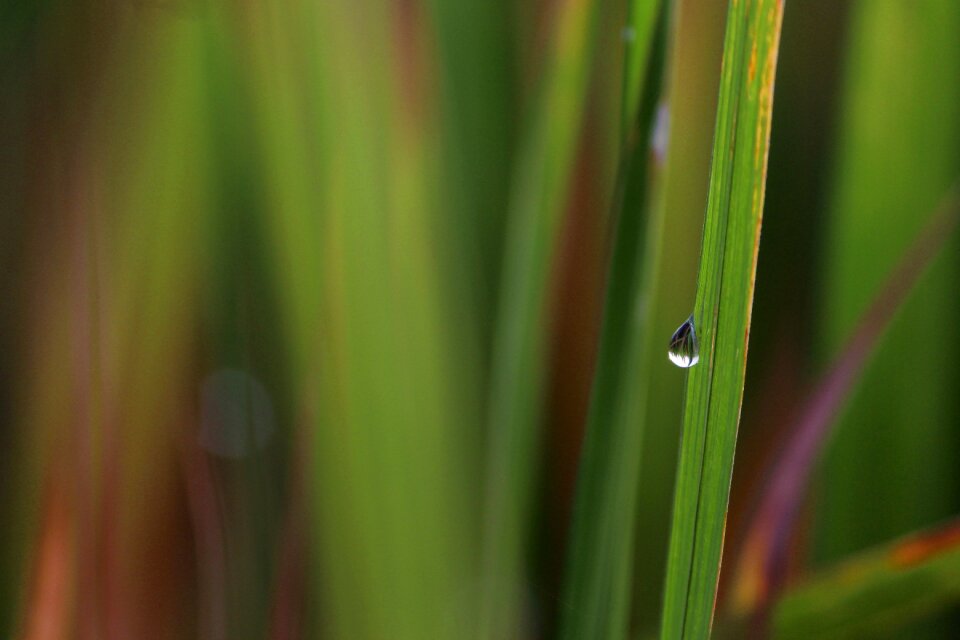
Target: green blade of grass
(536, 203)
(643, 20)
(354, 227)
(693, 81)
(600, 563)
(722, 316)
(119, 317)
(474, 55)
(877, 591)
(891, 467)
(762, 560)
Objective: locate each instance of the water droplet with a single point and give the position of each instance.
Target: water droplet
(684, 346)
(628, 34)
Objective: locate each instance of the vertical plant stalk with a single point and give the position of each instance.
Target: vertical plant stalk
(722, 315)
(600, 557)
(537, 201)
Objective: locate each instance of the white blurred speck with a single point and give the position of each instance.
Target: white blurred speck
(661, 133)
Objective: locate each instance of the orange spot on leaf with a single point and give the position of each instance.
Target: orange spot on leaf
(48, 611)
(917, 550)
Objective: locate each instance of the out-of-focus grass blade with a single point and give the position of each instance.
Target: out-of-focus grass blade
(761, 562)
(600, 561)
(474, 64)
(105, 402)
(643, 19)
(875, 592)
(347, 115)
(537, 200)
(891, 466)
(474, 61)
(722, 316)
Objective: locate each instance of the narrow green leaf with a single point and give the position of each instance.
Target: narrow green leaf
(537, 200)
(722, 315)
(764, 554)
(877, 591)
(354, 229)
(600, 560)
(474, 68)
(892, 466)
(639, 36)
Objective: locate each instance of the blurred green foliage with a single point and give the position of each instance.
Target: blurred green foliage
(284, 285)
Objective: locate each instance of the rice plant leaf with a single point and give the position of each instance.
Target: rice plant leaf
(644, 18)
(537, 198)
(876, 591)
(600, 559)
(761, 562)
(722, 316)
(907, 55)
(353, 226)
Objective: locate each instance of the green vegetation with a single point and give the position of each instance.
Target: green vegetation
(722, 316)
(597, 591)
(349, 320)
(876, 591)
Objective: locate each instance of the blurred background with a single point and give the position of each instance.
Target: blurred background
(253, 260)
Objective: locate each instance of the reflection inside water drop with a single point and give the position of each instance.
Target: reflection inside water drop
(684, 348)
